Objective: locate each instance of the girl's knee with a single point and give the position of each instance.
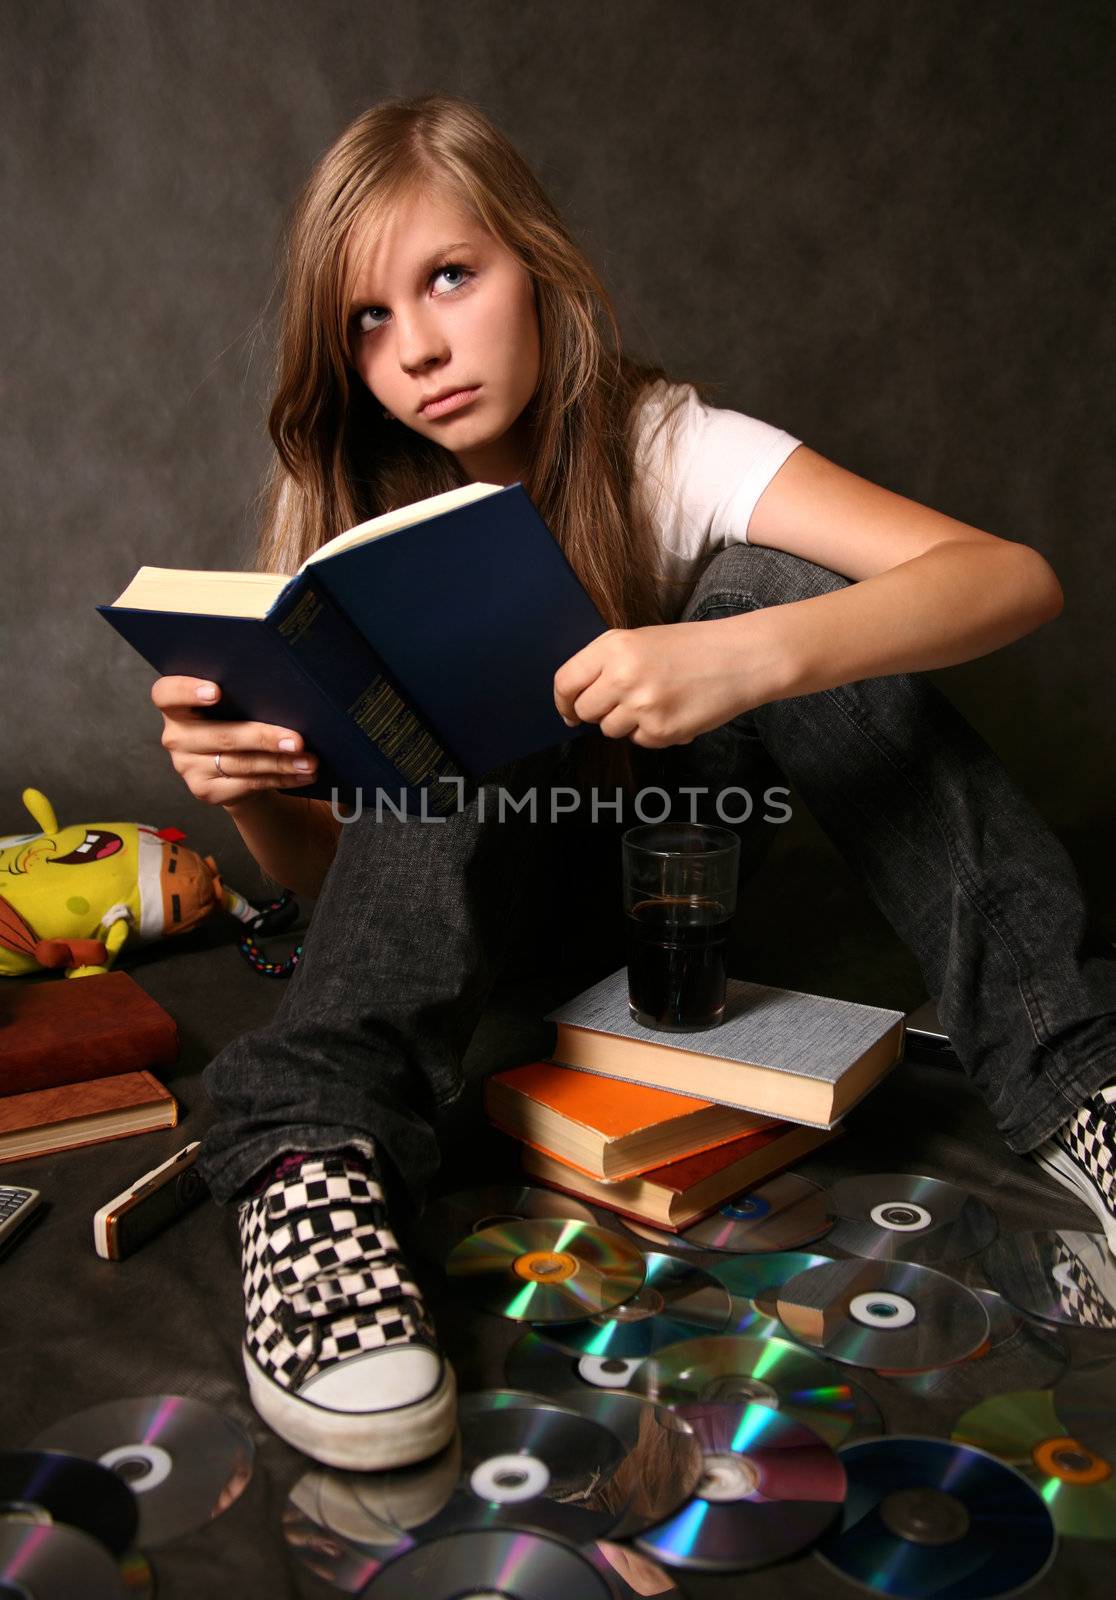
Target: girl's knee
(744, 577)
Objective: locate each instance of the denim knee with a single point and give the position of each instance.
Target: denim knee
(744, 577)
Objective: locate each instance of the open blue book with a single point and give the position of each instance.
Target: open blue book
(410, 651)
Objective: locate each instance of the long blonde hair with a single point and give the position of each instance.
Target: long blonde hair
(338, 461)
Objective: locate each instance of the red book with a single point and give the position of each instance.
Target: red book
(673, 1196)
(69, 1030)
(75, 1114)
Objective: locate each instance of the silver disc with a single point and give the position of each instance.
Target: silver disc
(677, 1301)
(771, 1487)
(533, 1464)
(549, 1270)
(737, 1370)
(490, 1564)
(184, 1460)
(448, 1218)
(52, 1561)
(882, 1314)
(1018, 1354)
(900, 1216)
(345, 1525)
(662, 1463)
(536, 1365)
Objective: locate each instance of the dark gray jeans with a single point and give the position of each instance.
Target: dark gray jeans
(416, 920)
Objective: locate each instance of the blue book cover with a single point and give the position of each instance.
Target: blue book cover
(428, 652)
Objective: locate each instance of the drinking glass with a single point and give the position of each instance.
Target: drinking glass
(679, 900)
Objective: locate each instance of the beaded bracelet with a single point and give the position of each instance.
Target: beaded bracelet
(272, 918)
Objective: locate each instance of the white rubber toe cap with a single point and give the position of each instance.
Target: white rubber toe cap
(377, 1380)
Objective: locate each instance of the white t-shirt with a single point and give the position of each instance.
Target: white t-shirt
(703, 472)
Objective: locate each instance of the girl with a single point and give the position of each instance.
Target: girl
(769, 615)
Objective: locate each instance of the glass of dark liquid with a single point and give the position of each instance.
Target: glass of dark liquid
(679, 900)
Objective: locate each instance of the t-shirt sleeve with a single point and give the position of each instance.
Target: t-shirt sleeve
(704, 471)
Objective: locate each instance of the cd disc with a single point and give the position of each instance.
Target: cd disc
(1017, 1354)
(882, 1314)
(924, 1518)
(737, 1370)
(547, 1270)
(450, 1217)
(537, 1365)
(662, 1459)
(532, 1464)
(780, 1214)
(770, 1488)
(630, 1574)
(752, 1281)
(51, 1561)
(517, 1566)
(183, 1460)
(677, 1301)
(345, 1525)
(1058, 1276)
(70, 1490)
(1024, 1430)
(898, 1216)
(1085, 1400)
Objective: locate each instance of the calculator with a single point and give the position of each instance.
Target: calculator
(18, 1207)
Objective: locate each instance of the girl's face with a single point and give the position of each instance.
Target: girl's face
(440, 305)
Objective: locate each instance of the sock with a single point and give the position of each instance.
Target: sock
(290, 1161)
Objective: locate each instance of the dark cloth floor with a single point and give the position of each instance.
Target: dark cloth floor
(76, 1331)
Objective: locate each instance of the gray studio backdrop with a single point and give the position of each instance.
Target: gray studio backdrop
(884, 226)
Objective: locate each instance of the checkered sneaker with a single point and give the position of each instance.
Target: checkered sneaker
(323, 1277)
(1081, 1154)
(1080, 1297)
(1090, 1138)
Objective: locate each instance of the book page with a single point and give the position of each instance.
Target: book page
(218, 594)
(404, 517)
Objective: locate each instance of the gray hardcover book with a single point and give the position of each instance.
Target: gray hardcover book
(795, 1035)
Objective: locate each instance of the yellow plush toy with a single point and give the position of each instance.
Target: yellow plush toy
(71, 897)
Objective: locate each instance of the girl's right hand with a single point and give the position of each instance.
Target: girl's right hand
(251, 757)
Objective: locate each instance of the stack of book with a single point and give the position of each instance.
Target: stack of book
(75, 1055)
(665, 1127)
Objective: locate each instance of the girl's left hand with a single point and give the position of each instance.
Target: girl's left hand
(664, 685)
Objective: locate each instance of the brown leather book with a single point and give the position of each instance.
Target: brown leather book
(68, 1030)
(73, 1114)
(674, 1195)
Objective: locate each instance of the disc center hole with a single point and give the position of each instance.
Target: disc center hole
(545, 1266)
(727, 1477)
(925, 1516)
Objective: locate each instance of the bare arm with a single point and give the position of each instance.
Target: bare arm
(293, 839)
(928, 591)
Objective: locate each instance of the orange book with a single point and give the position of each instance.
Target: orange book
(605, 1128)
(677, 1194)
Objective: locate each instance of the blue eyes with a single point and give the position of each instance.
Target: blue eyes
(359, 323)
